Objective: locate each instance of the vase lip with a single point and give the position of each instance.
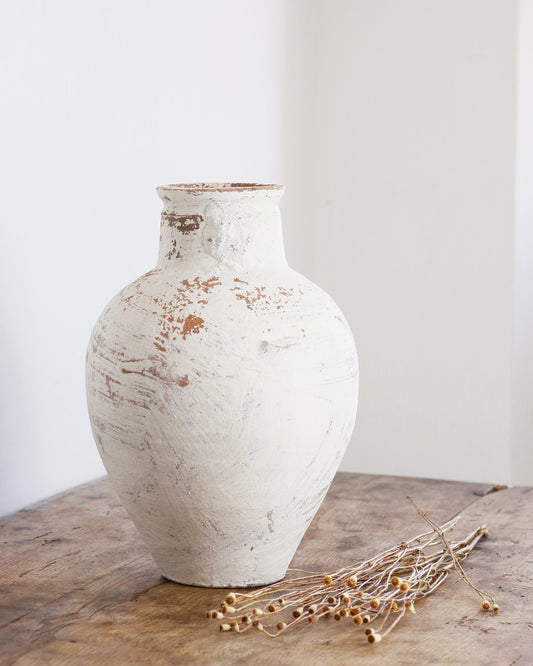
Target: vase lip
(208, 188)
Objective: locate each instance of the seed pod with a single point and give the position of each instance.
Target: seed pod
(225, 627)
(374, 638)
(358, 620)
(327, 580)
(231, 598)
(352, 581)
(280, 626)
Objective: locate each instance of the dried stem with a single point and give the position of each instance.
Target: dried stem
(384, 587)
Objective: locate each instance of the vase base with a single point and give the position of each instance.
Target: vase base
(218, 584)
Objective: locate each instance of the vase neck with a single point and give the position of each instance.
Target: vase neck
(237, 225)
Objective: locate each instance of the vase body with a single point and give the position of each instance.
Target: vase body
(222, 391)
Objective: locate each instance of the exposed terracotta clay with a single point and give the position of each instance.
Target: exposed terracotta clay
(183, 223)
(192, 324)
(222, 390)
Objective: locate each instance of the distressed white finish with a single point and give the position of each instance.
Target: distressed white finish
(222, 390)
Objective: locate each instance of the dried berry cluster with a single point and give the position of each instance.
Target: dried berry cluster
(378, 591)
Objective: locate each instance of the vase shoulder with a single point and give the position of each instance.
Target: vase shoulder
(169, 312)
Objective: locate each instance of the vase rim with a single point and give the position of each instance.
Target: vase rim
(200, 188)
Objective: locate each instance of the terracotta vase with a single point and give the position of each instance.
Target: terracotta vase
(222, 390)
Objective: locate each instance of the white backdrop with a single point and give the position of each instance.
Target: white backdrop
(411, 185)
(393, 126)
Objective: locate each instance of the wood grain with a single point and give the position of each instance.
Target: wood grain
(77, 586)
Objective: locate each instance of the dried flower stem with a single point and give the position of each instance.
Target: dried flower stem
(384, 587)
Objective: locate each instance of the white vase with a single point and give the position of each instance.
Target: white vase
(222, 390)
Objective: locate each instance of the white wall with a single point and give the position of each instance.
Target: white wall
(412, 184)
(101, 102)
(522, 431)
(393, 125)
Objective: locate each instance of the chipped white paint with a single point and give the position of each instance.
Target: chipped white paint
(222, 390)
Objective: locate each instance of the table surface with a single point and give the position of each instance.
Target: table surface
(78, 586)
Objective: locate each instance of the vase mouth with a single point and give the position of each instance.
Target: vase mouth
(206, 188)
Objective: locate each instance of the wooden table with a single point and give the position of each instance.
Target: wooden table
(77, 585)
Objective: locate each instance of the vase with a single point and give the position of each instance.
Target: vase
(222, 390)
